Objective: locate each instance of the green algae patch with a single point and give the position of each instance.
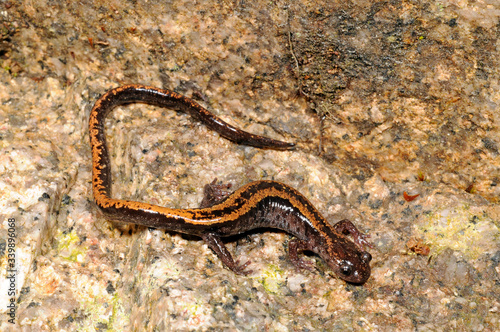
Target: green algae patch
(69, 247)
(272, 279)
(103, 311)
(470, 231)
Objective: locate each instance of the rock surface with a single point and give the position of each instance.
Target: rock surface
(386, 101)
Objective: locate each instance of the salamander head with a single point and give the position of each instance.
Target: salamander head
(346, 260)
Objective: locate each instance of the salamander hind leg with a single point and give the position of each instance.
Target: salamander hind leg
(294, 247)
(216, 244)
(214, 193)
(347, 227)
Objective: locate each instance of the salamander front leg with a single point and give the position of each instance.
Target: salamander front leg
(216, 244)
(294, 247)
(214, 193)
(347, 227)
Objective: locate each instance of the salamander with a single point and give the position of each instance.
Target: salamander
(258, 204)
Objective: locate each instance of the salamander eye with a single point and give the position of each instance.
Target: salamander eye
(346, 269)
(366, 257)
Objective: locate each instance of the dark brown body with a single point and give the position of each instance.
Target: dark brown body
(255, 205)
